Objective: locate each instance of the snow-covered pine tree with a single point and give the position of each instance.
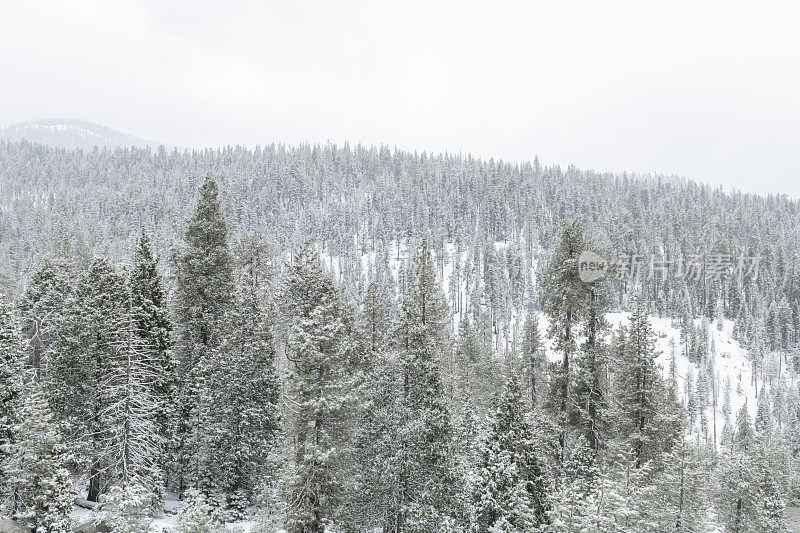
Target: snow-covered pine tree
(84, 354)
(373, 323)
(35, 479)
(681, 500)
(641, 391)
(591, 387)
(763, 420)
(472, 375)
(564, 297)
(533, 356)
(128, 509)
(197, 515)
(690, 393)
(748, 497)
(701, 397)
(367, 494)
(244, 415)
(12, 356)
(135, 446)
(743, 438)
(42, 307)
(154, 327)
(422, 460)
(319, 380)
(204, 275)
(510, 485)
(726, 437)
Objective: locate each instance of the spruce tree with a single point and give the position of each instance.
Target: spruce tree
(244, 394)
(153, 328)
(204, 273)
(35, 479)
(42, 307)
(85, 349)
(642, 394)
(510, 489)
(11, 373)
(422, 459)
(533, 356)
(763, 420)
(744, 430)
(128, 509)
(368, 491)
(681, 502)
(472, 377)
(591, 394)
(564, 297)
(319, 356)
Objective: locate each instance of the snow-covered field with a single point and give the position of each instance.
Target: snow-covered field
(166, 523)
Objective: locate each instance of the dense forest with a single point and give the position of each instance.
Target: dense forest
(322, 338)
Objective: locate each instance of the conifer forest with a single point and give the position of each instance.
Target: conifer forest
(342, 338)
(430, 266)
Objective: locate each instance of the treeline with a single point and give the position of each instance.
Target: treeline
(356, 201)
(258, 390)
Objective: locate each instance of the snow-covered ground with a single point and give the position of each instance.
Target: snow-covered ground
(167, 523)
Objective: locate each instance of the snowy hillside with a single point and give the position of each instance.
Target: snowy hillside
(72, 134)
(730, 362)
(727, 357)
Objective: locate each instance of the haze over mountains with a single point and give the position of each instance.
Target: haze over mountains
(72, 134)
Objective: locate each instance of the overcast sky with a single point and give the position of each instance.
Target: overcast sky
(707, 90)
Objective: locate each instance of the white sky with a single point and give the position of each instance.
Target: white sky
(709, 90)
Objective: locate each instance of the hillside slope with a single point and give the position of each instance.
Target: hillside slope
(72, 134)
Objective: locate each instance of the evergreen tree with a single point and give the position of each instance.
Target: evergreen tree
(134, 445)
(319, 357)
(473, 376)
(197, 515)
(748, 498)
(153, 327)
(374, 319)
(510, 491)
(744, 430)
(369, 483)
(641, 390)
(533, 356)
(34, 476)
(204, 273)
(85, 355)
(244, 394)
(42, 307)
(564, 297)
(11, 373)
(128, 509)
(680, 499)
(763, 420)
(591, 386)
(422, 461)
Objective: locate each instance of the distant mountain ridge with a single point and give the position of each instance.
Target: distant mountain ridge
(72, 134)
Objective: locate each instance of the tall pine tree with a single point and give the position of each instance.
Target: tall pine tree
(564, 297)
(205, 284)
(422, 462)
(153, 328)
(319, 358)
(510, 489)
